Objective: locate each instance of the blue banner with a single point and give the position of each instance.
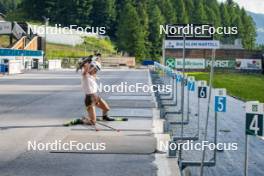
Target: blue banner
(16, 52)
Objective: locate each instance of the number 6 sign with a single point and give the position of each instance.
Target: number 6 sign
(254, 118)
(220, 100)
(202, 89)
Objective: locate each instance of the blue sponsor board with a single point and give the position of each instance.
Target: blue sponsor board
(148, 62)
(15, 52)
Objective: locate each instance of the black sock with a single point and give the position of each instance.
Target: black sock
(105, 114)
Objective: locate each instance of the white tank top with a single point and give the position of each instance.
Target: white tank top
(89, 84)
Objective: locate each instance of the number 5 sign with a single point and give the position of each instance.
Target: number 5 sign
(220, 100)
(254, 118)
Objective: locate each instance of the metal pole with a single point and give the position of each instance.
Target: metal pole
(182, 92)
(188, 103)
(246, 157)
(198, 117)
(176, 92)
(182, 85)
(163, 58)
(215, 136)
(208, 108)
(85, 49)
(46, 20)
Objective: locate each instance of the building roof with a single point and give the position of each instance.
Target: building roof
(2, 17)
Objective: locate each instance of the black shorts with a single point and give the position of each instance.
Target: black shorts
(91, 99)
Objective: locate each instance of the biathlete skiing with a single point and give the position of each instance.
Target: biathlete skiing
(92, 99)
(90, 66)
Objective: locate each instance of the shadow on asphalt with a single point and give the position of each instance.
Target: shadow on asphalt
(29, 126)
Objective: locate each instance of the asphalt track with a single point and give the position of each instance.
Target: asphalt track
(34, 105)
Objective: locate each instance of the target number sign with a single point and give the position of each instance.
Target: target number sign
(254, 118)
(178, 77)
(185, 80)
(191, 83)
(220, 100)
(202, 89)
(169, 72)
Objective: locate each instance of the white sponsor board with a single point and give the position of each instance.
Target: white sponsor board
(5, 27)
(192, 44)
(14, 67)
(54, 64)
(190, 63)
(249, 64)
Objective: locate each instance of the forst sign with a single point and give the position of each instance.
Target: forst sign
(222, 63)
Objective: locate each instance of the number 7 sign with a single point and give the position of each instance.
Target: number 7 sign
(191, 83)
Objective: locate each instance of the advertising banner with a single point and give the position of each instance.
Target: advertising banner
(192, 44)
(249, 64)
(231, 64)
(197, 63)
(190, 63)
(5, 27)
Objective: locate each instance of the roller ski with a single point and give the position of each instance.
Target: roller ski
(73, 122)
(107, 118)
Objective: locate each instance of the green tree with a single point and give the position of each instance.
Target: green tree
(237, 22)
(104, 15)
(156, 19)
(249, 30)
(168, 11)
(130, 36)
(144, 22)
(2, 8)
(225, 18)
(182, 15)
(199, 15)
(213, 14)
(37, 9)
(189, 7)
